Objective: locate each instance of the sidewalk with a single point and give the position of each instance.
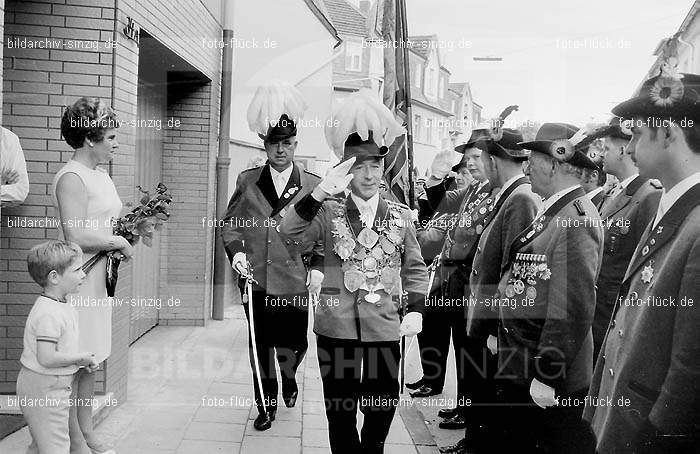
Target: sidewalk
(190, 392)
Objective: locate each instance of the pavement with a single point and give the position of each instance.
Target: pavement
(190, 392)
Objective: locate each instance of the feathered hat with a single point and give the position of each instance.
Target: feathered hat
(492, 137)
(274, 111)
(563, 142)
(361, 126)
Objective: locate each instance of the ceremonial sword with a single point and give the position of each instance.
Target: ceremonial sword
(247, 273)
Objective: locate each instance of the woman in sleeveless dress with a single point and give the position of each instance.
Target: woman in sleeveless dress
(86, 201)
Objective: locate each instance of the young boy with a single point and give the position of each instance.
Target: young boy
(50, 356)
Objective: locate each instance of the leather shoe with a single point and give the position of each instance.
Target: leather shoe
(459, 448)
(455, 422)
(425, 391)
(291, 399)
(447, 412)
(264, 420)
(415, 384)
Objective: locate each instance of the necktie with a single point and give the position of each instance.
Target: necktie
(279, 184)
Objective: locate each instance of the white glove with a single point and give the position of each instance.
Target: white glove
(492, 344)
(314, 279)
(542, 394)
(338, 178)
(412, 324)
(442, 164)
(239, 263)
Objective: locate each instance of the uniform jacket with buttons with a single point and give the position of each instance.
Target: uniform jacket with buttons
(650, 359)
(249, 226)
(547, 297)
(342, 314)
(515, 214)
(625, 218)
(472, 205)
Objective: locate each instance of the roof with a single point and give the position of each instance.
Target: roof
(421, 44)
(458, 87)
(317, 7)
(347, 19)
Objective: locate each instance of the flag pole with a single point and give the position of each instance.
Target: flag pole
(401, 15)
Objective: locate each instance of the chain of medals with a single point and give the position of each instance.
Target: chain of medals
(466, 218)
(369, 258)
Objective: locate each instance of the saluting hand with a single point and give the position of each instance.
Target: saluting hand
(335, 181)
(442, 164)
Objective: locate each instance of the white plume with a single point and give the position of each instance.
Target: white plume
(579, 136)
(270, 101)
(362, 112)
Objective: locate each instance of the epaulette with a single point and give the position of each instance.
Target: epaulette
(579, 207)
(313, 174)
(251, 168)
(656, 183)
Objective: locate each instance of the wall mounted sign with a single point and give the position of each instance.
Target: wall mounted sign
(132, 30)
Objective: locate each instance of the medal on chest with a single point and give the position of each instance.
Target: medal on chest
(527, 268)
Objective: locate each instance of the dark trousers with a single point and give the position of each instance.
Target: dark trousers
(528, 428)
(439, 325)
(280, 335)
(481, 390)
(359, 373)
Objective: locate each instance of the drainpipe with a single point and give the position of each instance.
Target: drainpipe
(221, 265)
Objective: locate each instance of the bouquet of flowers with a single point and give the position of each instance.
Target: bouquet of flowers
(140, 223)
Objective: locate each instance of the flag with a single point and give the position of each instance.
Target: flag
(396, 161)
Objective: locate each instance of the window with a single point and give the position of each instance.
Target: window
(417, 126)
(431, 82)
(453, 107)
(353, 56)
(429, 127)
(418, 75)
(441, 89)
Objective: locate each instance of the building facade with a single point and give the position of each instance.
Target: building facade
(159, 66)
(687, 43)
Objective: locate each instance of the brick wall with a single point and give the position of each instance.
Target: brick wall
(185, 167)
(38, 82)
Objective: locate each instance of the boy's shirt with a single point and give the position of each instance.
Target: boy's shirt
(50, 321)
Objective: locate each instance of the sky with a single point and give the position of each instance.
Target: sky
(565, 60)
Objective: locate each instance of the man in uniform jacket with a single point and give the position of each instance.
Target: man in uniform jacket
(370, 255)
(626, 212)
(645, 393)
(262, 197)
(511, 211)
(547, 300)
(445, 308)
